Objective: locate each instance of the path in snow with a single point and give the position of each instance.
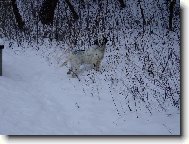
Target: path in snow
(40, 99)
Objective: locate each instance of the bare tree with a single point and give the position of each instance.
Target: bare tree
(75, 15)
(122, 4)
(18, 17)
(171, 13)
(143, 18)
(46, 14)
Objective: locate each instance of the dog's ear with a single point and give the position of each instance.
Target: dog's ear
(96, 42)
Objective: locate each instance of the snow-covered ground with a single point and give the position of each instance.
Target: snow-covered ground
(39, 98)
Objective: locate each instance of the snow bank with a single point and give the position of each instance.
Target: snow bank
(38, 98)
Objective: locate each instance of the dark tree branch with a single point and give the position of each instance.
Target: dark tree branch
(83, 3)
(46, 14)
(171, 11)
(122, 4)
(75, 15)
(18, 17)
(143, 18)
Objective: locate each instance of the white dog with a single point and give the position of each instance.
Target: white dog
(91, 56)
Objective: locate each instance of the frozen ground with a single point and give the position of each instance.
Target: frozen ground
(38, 98)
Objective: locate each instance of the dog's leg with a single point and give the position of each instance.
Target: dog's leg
(64, 63)
(75, 68)
(70, 71)
(97, 65)
(75, 73)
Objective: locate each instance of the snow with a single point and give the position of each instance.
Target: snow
(37, 98)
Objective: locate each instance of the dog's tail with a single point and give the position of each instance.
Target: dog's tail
(64, 63)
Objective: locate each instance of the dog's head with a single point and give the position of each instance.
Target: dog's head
(101, 41)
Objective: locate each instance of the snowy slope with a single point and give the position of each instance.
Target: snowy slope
(38, 98)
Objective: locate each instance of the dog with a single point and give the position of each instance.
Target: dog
(92, 56)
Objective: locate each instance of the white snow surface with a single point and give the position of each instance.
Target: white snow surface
(37, 98)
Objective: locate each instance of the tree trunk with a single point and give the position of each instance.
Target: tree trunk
(46, 14)
(171, 11)
(143, 18)
(122, 4)
(18, 17)
(75, 15)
